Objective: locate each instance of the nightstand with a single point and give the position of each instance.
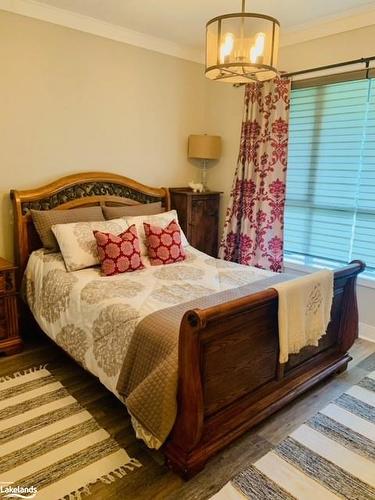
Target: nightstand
(198, 215)
(10, 341)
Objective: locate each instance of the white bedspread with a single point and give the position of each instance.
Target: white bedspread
(93, 318)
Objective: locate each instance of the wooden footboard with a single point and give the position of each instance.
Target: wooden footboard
(229, 375)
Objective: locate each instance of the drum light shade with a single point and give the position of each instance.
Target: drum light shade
(242, 47)
(204, 147)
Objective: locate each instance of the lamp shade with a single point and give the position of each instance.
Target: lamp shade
(204, 147)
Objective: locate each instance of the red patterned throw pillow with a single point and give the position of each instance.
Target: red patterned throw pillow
(119, 254)
(164, 244)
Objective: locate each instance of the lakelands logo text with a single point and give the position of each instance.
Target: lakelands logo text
(9, 491)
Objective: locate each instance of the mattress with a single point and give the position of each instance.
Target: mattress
(94, 318)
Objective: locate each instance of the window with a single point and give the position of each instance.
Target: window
(330, 199)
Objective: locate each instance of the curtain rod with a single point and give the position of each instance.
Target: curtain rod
(363, 60)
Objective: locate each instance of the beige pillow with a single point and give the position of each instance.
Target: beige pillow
(45, 219)
(162, 220)
(78, 244)
(133, 210)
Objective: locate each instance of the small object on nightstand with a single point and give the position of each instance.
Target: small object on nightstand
(197, 187)
(10, 341)
(198, 215)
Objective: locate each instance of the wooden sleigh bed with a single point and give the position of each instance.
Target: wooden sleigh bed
(229, 375)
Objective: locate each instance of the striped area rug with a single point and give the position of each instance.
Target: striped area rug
(49, 442)
(331, 456)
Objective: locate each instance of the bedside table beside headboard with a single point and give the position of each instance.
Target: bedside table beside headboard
(10, 340)
(198, 214)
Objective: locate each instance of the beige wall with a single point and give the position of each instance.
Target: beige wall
(71, 102)
(329, 50)
(224, 116)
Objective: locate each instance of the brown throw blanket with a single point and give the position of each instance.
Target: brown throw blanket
(148, 379)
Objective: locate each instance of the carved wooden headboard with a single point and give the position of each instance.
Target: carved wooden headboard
(79, 190)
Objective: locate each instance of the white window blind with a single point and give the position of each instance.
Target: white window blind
(330, 199)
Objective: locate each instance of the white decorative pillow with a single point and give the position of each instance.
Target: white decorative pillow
(162, 220)
(78, 244)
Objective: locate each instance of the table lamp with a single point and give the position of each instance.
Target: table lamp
(205, 148)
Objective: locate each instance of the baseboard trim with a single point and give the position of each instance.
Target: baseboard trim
(367, 332)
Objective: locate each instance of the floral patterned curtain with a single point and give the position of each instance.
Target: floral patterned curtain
(253, 230)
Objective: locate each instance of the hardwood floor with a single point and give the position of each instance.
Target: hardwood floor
(154, 480)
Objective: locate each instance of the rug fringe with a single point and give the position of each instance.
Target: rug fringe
(105, 479)
(23, 372)
(78, 494)
(119, 472)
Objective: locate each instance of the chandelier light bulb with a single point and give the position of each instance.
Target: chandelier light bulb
(226, 47)
(257, 50)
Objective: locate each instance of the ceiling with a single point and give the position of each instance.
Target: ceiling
(182, 23)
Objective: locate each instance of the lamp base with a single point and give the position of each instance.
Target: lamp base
(204, 176)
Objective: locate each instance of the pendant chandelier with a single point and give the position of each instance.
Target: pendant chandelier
(242, 47)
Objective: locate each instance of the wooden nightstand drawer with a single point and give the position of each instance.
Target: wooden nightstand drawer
(198, 214)
(3, 319)
(3, 329)
(2, 308)
(10, 341)
(207, 207)
(7, 282)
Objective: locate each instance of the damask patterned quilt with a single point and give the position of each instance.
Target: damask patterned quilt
(95, 318)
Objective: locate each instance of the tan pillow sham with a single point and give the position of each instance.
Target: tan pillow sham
(133, 210)
(45, 219)
(78, 244)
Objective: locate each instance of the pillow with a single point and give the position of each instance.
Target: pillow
(158, 220)
(78, 244)
(133, 210)
(164, 244)
(119, 254)
(45, 219)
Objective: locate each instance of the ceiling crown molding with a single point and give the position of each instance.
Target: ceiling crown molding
(62, 17)
(331, 25)
(322, 27)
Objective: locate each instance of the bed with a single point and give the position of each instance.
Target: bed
(229, 377)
